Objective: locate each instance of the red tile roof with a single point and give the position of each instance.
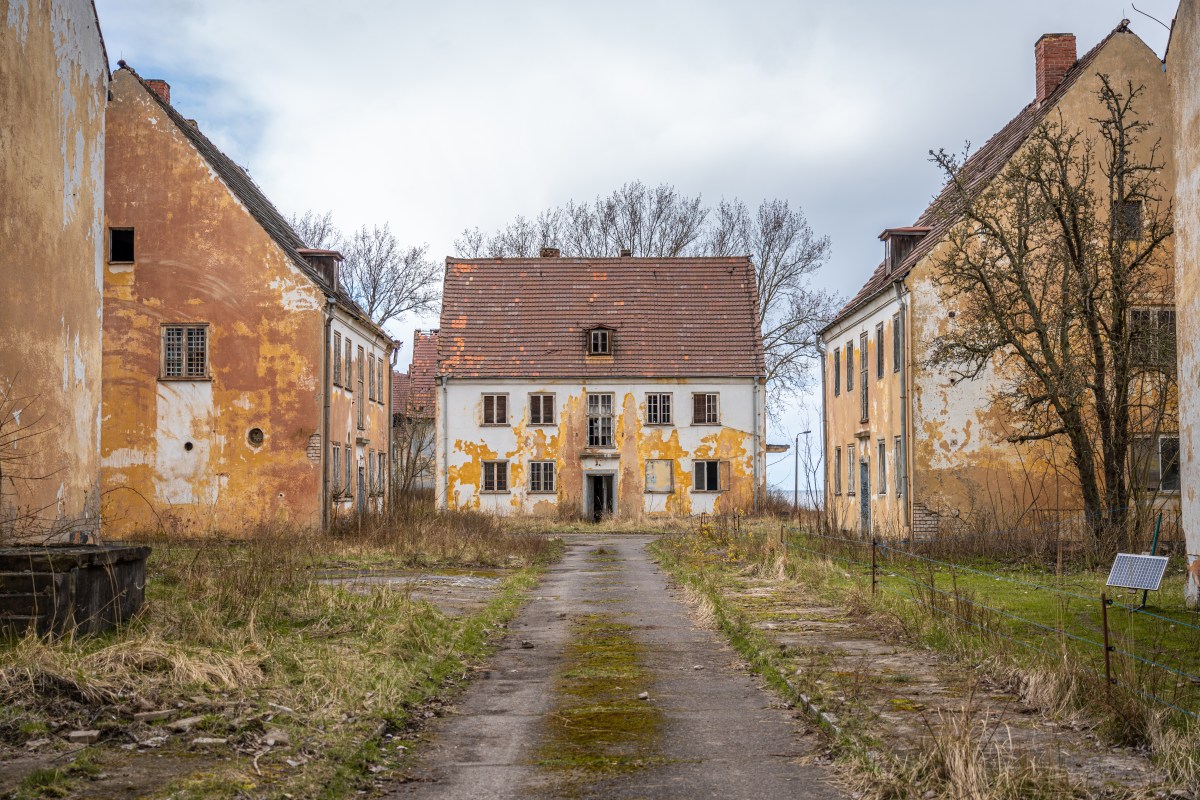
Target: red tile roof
(979, 170)
(423, 373)
(400, 389)
(673, 317)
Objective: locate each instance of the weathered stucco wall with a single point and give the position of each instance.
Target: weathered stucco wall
(1183, 67)
(962, 463)
(53, 80)
(845, 426)
(565, 443)
(200, 257)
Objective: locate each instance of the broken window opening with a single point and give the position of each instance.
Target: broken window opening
(495, 476)
(711, 476)
(541, 409)
(495, 409)
(120, 245)
(706, 408)
(600, 424)
(658, 408)
(541, 477)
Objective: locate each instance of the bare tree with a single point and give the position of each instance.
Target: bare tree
(1047, 266)
(383, 276)
(661, 222)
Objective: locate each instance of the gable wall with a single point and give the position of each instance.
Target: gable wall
(201, 257)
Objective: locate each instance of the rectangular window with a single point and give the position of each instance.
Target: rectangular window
(370, 472)
(382, 393)
(837, 371)
(361, 364)
(658, 408)
(495, 409)
(348, 485)
(1156, 463)
(600, 424)
(1152, 336)
(382, 472)
(349, 381)
(371, 377)
(882, 467)
(541, 476)
(185, 351)
(879, 350)
(862, 389)
(706, 408)
(1130, 220)
(337, 470)
(120, 245)
(837, 470)
(711, 476)
(495, 476)
(600, 342)
(897, 343)
(849, 469)
(660, 475)
(898, 454)
(337, 359)
(541, 409)
(850, 366)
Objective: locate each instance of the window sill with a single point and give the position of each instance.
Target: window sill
(709, 491)
(664, 491)
(543, 491)
(659, 424)
(495, 491)
(494, 425)
(543, 425)
(192, 378)
(706, 424)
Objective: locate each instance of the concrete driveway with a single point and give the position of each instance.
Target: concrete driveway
(606, 687)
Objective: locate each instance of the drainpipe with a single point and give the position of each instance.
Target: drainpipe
(754, 460)
(388, 500)
(905, 484)
(326, 390)
(445, 443)
(825, 500)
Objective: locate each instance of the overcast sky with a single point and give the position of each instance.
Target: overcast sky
(438, 117)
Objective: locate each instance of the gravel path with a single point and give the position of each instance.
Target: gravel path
(715, 732)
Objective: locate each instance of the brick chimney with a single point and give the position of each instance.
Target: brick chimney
(160, 88)
(551, 252)
(1054, 54)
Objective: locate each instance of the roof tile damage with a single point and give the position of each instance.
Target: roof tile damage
(672, 317)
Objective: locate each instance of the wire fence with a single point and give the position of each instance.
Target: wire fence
(1151, 656)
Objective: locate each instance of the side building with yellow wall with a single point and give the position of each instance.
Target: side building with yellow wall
(53, 83)
(242, 386)
(909, 450)
(600, 387)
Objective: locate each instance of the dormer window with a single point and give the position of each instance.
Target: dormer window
(600, 342)
(898, 243)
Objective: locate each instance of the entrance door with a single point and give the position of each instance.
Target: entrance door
(864, 495)
(600, 496)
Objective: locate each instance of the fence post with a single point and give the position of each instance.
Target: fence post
(874, 566)
(1108, 679)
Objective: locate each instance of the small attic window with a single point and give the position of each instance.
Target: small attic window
(600, 342)
(120, 245)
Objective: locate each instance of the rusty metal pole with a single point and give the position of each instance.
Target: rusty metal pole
(1108, 679)
(874, 567)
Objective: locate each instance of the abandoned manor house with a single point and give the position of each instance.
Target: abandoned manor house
(596, 387)
(910, 449)
(241, 383)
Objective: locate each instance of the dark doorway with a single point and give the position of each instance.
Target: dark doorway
(600, 496)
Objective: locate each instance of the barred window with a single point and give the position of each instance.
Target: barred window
(185, 351)
(541, 476)
(495, 476)
(600, 424)
(658, 408)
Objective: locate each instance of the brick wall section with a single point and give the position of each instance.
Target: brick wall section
(925, 523)
(1054, 54)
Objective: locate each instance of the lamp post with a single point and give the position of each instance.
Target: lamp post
(796, 475)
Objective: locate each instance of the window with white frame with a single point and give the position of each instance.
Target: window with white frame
(658, 408)
(495, 476)
(541, 476)
(541, 409)
(600, 423)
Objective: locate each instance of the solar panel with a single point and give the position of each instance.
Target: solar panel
(1131, 571)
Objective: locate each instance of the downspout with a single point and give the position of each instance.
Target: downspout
(905, 484)
(389, 500)
(326, 390)
(754, 460)
(825, 500)
(445, 444)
